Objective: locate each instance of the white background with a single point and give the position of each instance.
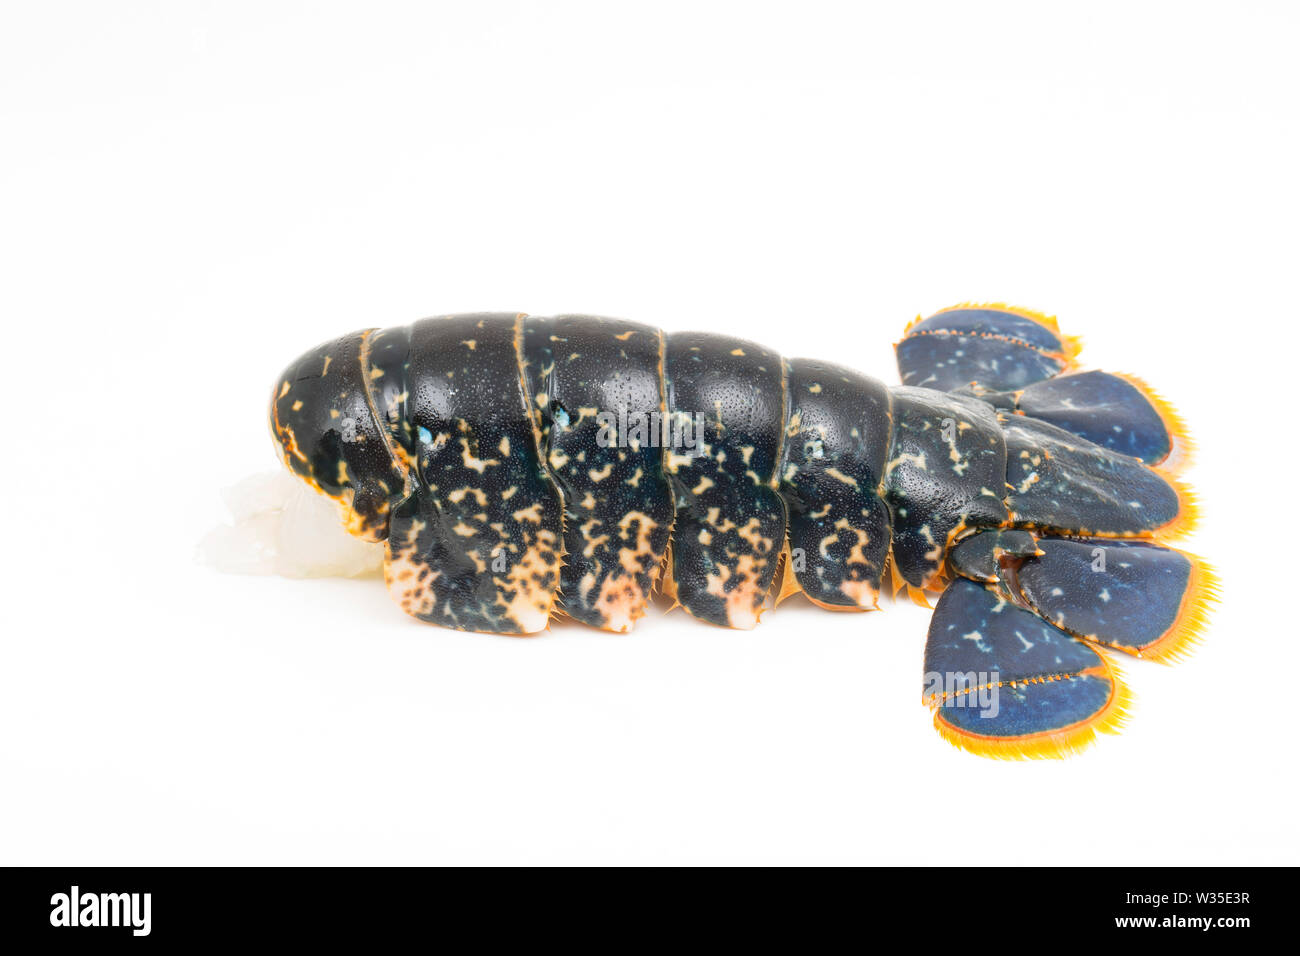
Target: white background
(193, 194)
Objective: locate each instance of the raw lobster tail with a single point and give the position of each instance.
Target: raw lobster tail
(525, 468)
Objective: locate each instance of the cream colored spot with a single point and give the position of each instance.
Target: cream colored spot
(742, 601)
(533, 513)
(840, 476)
(860, 593)
(471, 461)
(457, 496)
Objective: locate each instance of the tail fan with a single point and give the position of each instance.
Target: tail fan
(1060, 482)
(1005, 683)
(1135, 596)
(1016, 662)
(1113, 411)
(1017, 658)
(1018, 361)
(999, 347)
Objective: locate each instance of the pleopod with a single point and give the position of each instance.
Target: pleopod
(523, 469)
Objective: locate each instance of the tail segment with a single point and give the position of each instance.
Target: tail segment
(478, 545)
(1017, 657)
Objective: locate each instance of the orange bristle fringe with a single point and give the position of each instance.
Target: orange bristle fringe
(852, 608)
(918, 598)
(1183, 453)
(1071, 345)
(1052, 745)
(1042, 318)
(784, 583)
(896, 582)
(1189, 510)
(667, 584)
(1182, 639)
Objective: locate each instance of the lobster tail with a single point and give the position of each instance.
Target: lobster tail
(524, 468)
